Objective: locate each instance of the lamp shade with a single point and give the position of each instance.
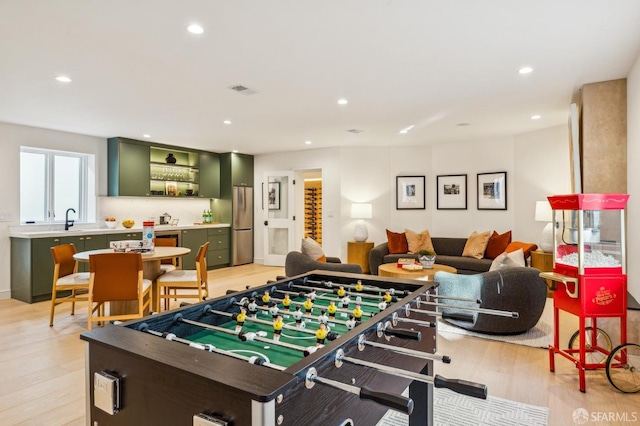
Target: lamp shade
(543, 211)
(361, 211)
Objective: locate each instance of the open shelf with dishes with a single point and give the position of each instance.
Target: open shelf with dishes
(173, 173)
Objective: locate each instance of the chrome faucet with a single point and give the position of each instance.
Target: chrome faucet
(68, 223)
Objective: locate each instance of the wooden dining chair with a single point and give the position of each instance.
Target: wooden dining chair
(66, 278)
(182, 279)
(116, 277)
(167, 265)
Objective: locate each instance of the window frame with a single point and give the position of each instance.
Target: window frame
(50, 155)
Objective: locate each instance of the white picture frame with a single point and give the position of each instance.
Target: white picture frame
(492, 191)
(410, 193)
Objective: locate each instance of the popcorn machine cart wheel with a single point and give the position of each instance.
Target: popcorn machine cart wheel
(590, 270)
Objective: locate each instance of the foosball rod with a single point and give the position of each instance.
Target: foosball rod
(460, 299)
(259, 321)
(247, 336)
(475, 390)
(304, 315)
(330, 284)
(394, 402)
(487, 311)
(328, 298)
(395, 318)
(371, 296)
(210, 348)
(362, 342)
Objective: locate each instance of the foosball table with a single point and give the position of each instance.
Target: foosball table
(323, 348)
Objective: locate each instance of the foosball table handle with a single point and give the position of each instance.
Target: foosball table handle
(463, 387)
(457, 316)
(396, 402)
(403, 333)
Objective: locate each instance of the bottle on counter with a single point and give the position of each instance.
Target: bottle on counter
(209, 217)
(204, 216)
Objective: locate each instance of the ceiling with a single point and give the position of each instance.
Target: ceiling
(433, 64)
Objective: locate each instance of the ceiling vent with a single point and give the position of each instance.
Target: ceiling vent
(242, 90)
(355, 131)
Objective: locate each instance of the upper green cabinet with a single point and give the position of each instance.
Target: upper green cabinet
(128, 168)
(236, 169)
(209, 175)
(142, 169)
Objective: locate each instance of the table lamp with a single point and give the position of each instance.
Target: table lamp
(361, 211)
(543, 214)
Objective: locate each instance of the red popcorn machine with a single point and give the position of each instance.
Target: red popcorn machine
(589, 268)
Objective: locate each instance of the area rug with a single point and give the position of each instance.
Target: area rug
(453, 409)
(540, 336)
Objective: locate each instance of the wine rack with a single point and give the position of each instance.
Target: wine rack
(313, 211)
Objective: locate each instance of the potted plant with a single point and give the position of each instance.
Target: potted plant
(427, 258)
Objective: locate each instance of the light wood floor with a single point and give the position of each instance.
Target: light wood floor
(42, 367)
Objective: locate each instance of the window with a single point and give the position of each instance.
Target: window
(52, 182)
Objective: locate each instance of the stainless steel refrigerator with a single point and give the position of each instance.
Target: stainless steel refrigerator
(242, 225)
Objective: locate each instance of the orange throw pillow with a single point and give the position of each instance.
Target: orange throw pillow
(476, 245)
(527, 248)
(497, 244)
(397, 242)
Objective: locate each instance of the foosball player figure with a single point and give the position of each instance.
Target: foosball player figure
(312, 295)
(297, 315)
(286, 302)
(273, 310)
(266, 298)
(357, 314)
(253, 307)
(331, 309)
(277, 327)
(382, 305)
(351, 323)
(387, 297)
(308, 305)
(341, 291)
(359, 285)
(321, 334)
(345, 301)
(240, 319)
(323, 318)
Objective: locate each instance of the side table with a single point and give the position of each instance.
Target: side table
(358, 253)
(544, 262)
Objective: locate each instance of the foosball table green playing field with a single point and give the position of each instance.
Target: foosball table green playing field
(321, 348)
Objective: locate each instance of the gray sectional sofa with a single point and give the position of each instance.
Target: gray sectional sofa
(448, 252)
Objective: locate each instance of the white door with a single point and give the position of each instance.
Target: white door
(278, 201)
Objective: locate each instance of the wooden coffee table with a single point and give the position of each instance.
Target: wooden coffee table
(392, 270)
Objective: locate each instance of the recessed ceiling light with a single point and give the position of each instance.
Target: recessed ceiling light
(195, 29)
(342, 101)
(525, 70)
(146, 135)
(406, 130)
(535, 117)
(307, 142)
(227, 121)
(235, 151)
(63, 79)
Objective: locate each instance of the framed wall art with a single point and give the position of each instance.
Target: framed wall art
(274, 195)
(492, 191)
(452, 192)
(410, 193)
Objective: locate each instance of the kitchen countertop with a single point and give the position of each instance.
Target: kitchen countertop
(28, 232)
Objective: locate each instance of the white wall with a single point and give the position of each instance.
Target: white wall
(536, 163)
(633, 179)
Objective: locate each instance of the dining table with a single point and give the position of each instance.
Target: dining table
(150, 270)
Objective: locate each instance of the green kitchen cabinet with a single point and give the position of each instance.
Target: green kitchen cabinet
(192, 239)
(123, 236)
(236, 169)
(209, 175)
(32, 268)
(128, 167)
(218, 254)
